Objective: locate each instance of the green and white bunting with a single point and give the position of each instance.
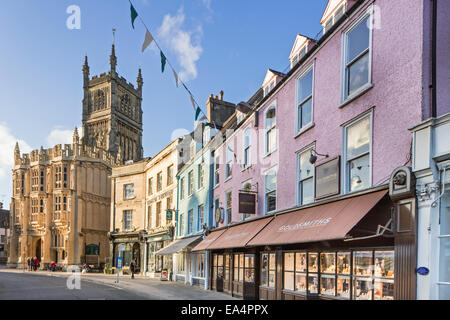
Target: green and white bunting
(134, 14)
(148, 40)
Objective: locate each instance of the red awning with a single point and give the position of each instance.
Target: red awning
(208, 240)
(235, 236)
(331, 221)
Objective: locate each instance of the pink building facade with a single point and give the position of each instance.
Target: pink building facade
(329, 142)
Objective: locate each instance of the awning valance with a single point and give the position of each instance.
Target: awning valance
(235, 236)
(331, 221)
(177, 246)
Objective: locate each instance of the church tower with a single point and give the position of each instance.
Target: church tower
(112, 113)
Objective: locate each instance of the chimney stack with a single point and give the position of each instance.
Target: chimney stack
(221, 95)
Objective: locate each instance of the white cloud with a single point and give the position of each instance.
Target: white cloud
(7, 144)
(185, 44)
(59, 136)
(207, 4)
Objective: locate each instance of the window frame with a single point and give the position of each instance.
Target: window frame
(132, 196)
(190, 186)
(298, 128)
(273, 106)
(275, 169)
(247, 133)
(125, 220)
(346, 181)
(344, 65)
(298, 192)
(229, 152)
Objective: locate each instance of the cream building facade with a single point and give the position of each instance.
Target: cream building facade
(60, 209)
(143, 206)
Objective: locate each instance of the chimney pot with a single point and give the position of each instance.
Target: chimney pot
(221, 95)
(216, 97)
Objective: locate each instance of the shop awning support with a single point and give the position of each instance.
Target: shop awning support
(380, 232)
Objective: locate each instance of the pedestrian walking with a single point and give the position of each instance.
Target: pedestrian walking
(132, 268)
(29, 263)
(36, 263)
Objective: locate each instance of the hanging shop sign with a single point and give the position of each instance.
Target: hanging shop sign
(247, 203)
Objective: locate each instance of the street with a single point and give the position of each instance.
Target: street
(16, 284)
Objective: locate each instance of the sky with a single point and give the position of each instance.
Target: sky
(213, 44)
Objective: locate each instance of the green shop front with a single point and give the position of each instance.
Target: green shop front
(130, 246)
(154, 242)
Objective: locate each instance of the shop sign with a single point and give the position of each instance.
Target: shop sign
(305, 225)
(327, 179)
(169, 214)
(247, 203)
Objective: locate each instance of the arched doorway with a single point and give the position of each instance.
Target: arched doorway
(38, 251)
(137, 256)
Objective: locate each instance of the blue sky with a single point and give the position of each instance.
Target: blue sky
(216, 44)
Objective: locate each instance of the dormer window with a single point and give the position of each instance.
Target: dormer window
(269, 87)
(299, 56)
(338, 13)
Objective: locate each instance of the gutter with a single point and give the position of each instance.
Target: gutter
(433, 106)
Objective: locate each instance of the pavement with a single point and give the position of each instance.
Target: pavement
(45, 285)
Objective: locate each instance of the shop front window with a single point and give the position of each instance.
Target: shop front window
(227, 267)
(343, 272)
(313, 268)
(241, 267)
(250, 268)
(220, 266)
(268, 270)
(362, 270)
(300, 271)
(384, 275)
(214, 263)
(327, 269)
(236, 267)
(289, 263)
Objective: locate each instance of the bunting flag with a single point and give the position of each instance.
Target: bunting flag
(148, 40)
(134, 14)
(197, 113)
(176, 77)
(163, 61)
(193, 103)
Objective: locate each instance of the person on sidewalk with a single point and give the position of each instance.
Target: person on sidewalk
(132, 268)
(36, 263)
(29, 263)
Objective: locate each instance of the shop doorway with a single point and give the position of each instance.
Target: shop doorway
(137, 256)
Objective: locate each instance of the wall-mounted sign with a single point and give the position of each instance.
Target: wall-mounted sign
(423, 271)
(247, 203)
(169, 214)
(327, 178)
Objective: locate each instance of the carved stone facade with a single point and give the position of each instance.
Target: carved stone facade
(60, 204)
(112, 113)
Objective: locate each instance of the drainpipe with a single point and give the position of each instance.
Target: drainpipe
(433, 107)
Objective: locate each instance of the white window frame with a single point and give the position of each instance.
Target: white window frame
(274, 168)
(216, 204)
(227, 220)
(332, 17)
(229, 161)
(245, 216)
(346, 182)
(130, 227)
(201, 176)
(248, 164)
(297, 121)
(201, 221)
(344, 64)
(266, 130)
(191, 184)
(190, 218)
(307, 149)
(182, 188)
(216, 171)
(128, 196)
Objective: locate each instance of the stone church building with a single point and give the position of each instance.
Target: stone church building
(60, 209)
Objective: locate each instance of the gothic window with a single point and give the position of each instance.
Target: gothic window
(99, 100)
(125, 104)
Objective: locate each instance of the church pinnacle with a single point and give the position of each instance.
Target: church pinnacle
(113, 59)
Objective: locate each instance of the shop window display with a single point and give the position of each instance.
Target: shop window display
(384, 275)
(300, 271)
(362, 270)
(289, 263)
(236, 267)
(220, 266)
(241, 267)
(250, 268)
(227, 267)
(268, 270)
(328, 269)
(214, 263)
